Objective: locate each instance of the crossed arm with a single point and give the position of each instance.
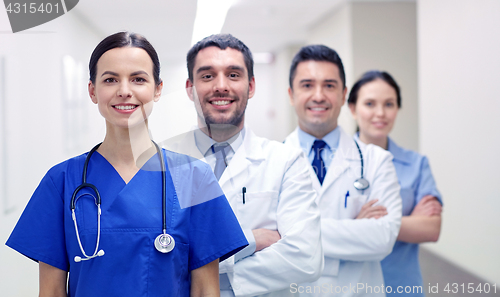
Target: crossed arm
(292, 252)
(422, 225)
(265, 238)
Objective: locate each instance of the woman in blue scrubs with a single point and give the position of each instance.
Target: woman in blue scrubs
(126, 170)
(374, 101)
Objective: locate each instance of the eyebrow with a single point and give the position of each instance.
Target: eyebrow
(109, 72)
(232, 67)
(139, 72)
(236, 67)
(132, 74)
(326, 80)
(203, 68)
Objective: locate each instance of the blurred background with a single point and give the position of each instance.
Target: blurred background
(443, 53)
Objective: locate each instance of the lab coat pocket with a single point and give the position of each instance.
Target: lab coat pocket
(259, 210)
(352, 206)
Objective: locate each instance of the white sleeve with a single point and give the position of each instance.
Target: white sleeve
(368, 239)
(297, 257)
(248, 250)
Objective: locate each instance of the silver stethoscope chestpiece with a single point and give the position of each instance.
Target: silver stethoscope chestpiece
(361, 184)
(164, 243)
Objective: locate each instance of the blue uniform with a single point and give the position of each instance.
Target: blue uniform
(401, 267)
(204, 229)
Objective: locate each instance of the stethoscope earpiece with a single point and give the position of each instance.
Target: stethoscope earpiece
(79, 259)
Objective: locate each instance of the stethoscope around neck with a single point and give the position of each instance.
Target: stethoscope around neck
(164, 242)
(361, 183)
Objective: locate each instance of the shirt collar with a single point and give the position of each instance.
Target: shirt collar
(397, 152)
(356, 138)
(204, 143)
(332, 139)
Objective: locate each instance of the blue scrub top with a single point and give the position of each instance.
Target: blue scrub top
(401, 267)
(199, 218)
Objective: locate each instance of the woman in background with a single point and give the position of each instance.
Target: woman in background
(109, 249)
(374, 102)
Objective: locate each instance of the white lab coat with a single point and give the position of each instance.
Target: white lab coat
(279, 196)
(353, 248)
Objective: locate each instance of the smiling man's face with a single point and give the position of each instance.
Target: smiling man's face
(318, 95)
(221, 85)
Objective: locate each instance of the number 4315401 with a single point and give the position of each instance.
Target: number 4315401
(470, 288)
(33, 8)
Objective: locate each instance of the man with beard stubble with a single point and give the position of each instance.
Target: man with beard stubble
(266, 183)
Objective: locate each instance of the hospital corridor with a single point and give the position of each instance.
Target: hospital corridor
(437, 59)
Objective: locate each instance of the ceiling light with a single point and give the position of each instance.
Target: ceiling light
(210, 17)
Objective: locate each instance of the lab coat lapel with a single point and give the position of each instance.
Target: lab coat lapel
(346, 153)
(293, 139)
(243, 158)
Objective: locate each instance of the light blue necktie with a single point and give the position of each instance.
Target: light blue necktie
(219, 150)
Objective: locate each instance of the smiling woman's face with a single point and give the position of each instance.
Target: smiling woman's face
(124, 88)
(375, 110)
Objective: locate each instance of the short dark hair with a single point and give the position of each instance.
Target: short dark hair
(316, 52)
(123, 39)
(370, 76)
(221, 41)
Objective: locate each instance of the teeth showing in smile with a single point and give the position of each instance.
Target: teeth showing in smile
(318, 108)
(125, 107)
(220, 102)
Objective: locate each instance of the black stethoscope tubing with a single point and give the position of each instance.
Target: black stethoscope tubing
(361, 183)
(164, 243)
(84, 183)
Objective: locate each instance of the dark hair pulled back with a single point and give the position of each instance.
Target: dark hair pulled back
(124, 39)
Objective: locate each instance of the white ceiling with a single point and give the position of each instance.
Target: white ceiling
(263, 25)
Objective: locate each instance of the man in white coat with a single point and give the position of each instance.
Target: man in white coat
(266, 182)
(359, 227)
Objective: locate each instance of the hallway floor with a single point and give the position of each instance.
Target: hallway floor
(440, 272)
